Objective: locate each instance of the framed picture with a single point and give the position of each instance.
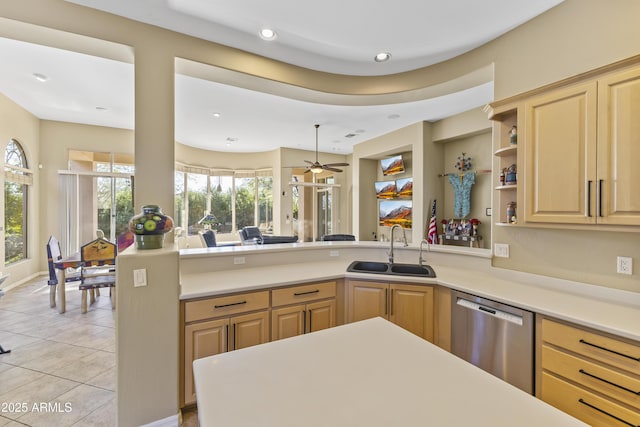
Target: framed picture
(392, 166)
(386, 190)
(404, 188)
(394, 212)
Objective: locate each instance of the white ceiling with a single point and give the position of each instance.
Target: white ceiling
(340, 37)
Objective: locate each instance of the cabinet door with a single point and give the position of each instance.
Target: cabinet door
(287, 322)
(367, 300)
(412, 309)
(202, 340)
(560, 156)
(249, 329)
(321, 315)
(619, 148)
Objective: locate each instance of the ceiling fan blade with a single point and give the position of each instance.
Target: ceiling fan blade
(311, 163)
(336, 164)
(325, 167)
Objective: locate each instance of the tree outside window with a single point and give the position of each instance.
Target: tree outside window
(17, 180)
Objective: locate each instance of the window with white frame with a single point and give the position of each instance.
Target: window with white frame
(236, 199)
(17, 179)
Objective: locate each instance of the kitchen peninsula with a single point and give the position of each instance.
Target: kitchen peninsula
(369, 373)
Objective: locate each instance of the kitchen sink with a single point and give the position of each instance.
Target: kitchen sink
(394, 269)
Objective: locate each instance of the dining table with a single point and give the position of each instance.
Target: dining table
(74, 261)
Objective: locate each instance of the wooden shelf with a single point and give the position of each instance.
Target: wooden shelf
(506, 151)
(507, 187)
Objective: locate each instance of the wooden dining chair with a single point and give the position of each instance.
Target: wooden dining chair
(98, 261)
(53, 255)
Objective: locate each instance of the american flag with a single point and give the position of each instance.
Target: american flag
(432, 233)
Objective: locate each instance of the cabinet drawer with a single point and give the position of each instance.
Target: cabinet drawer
(620, 354)
(224, 306)
(303, 293)
(588, 407)
(613, 383)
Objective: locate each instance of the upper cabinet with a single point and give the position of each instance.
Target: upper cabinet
(619, 148)
(579, 150)
(560, 156)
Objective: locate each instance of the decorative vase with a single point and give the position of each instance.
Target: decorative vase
(150, 226)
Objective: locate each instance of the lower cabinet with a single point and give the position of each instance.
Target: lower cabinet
(591, 376)
(409, 306)
(314, 309)
(217, 325)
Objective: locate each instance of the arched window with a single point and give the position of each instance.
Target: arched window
(17, 179)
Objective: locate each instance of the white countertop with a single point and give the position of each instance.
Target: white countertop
(604, 309)
(370, 373)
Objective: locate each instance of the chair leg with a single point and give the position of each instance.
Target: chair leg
(97, 292)
(52, 295)
(83, 308)
(3, 351)
(92, 296)
(112, 291)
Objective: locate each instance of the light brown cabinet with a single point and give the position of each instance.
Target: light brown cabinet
(314, 309)
(409, 306)
(582, 152)
(217, 325)
(591, 376)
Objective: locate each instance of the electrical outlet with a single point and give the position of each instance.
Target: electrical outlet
(501, 250)
(238, 260)
(625, 265)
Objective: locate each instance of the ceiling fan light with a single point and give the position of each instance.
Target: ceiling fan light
(316, 169)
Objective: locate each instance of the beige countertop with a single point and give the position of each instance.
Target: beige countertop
(604, 309)
(370, 373)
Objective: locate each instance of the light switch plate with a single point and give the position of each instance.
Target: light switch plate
(139, 277)
(501, 250)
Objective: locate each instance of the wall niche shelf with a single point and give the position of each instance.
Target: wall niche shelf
(505, 118)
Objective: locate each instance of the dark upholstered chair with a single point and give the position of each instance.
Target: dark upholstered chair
(338, 237)
(53, 255)
(209, 239)
(252, 236)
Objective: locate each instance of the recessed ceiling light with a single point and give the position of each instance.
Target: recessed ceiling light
(216, 115)
(40, 77)
(382, 57)
(268, 34)
(101, 108)
(393, 116)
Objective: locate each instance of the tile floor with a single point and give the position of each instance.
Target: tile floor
(64, 364)
(62, 367)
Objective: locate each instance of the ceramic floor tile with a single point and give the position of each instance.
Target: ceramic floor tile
(104, 416)
(46, 388)
(35, 351)
(15, 377)
(72, 407)
(4, 421)
(66, 355)
(87, 367)
(106, 380)
(11, 341)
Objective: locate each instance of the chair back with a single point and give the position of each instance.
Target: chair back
(209, 238)
(100, 251)
(338, 237)
(53, 254)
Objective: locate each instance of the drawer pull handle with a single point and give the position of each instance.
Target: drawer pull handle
(297, 294)
(230, 305)
(582, 371)
(637, 359)
(606, 413)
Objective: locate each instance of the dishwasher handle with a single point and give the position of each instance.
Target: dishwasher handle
(490, 311)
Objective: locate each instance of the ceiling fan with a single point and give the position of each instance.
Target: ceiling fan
(317, 167)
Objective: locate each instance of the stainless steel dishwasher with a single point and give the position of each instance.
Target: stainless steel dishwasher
(495, 337)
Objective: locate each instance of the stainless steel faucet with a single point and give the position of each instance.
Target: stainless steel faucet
(404, 238)
(420, 259)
